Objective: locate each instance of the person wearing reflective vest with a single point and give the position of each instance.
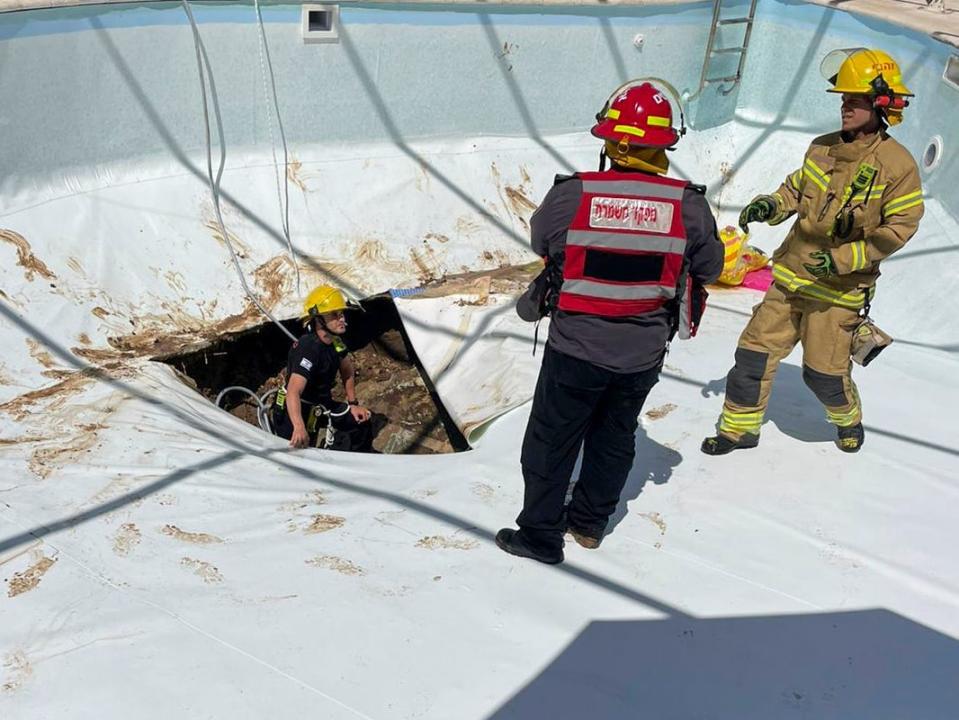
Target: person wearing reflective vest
(857, 199)
(628, 244)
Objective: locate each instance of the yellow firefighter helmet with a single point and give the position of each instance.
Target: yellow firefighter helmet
(864, 71)
(323, 299)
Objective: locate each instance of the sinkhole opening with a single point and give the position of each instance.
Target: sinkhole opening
(408, 416)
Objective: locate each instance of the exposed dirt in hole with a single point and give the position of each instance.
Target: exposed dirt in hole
(408, 414)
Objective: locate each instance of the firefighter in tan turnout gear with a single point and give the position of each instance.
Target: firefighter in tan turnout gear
(857, 199)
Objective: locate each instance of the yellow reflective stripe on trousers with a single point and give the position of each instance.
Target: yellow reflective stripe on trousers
(850, 417)
(901, 204)
(843, 419)
(853, 299)
(741, 422)
(859, 259)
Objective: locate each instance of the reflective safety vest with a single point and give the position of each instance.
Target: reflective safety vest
(625, 246)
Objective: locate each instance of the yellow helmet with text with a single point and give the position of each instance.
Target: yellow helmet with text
(865, 71)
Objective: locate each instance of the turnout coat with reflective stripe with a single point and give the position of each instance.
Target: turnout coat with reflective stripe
(885, 211)
(625, 246)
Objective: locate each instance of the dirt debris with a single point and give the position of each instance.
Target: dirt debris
(126, 538)
(174, 330)
(101, 355)
(294, 169)
(658, 413)
(314, 497)
(23, 440)
(274, 278)
(506, 280)
(332, 562)
(38, 353)
(482, 490)
(241, 250)
(31, 264)
(75, 265)
(209, 573)
(21, 406)
(421, 260)
(323, 523)
(440, 542)
(196, 538)
(18, 670)
(46, 459)
(518, 200)
(656, 519)
(467, 225)
(27, 580)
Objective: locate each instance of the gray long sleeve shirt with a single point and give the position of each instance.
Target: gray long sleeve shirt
(628, 344)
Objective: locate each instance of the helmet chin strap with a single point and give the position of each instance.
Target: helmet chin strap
(318, 319)
(327, 329)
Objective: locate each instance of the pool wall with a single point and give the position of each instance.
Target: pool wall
(419, 146)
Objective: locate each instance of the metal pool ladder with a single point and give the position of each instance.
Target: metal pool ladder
(712, 51)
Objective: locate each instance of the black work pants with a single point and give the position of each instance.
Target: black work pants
(349, 435)
(578, 404)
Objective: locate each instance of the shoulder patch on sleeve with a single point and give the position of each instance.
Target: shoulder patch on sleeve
(304, 363)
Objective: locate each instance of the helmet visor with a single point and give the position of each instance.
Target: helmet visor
(833, 61)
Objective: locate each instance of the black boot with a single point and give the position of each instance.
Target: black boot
(720, 444)
(513, 542)
(851, 438)
(587, 540)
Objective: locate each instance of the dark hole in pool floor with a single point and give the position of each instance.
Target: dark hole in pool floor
(390, 380)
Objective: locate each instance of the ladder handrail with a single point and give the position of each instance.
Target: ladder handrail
(714, 26)
(717, 6)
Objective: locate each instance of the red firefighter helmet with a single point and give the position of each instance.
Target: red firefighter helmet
(639, 114)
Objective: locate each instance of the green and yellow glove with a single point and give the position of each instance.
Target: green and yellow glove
(759, 209)
(824, 266)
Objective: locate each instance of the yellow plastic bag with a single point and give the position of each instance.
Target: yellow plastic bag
(734, 269)
(754, 258)
(740, 258)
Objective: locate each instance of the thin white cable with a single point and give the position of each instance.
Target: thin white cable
(284, 197)
(201, 61)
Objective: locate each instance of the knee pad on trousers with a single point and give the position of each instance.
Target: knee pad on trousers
(743, 381)
(829, 389)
